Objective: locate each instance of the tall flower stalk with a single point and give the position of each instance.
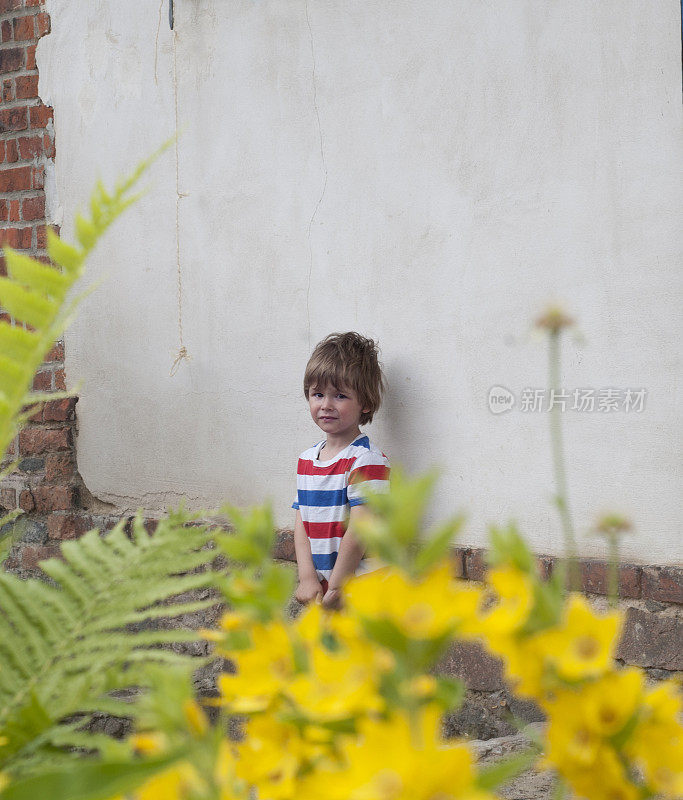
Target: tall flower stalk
(554, 321)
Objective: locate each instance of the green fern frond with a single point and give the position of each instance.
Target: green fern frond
(63, 647)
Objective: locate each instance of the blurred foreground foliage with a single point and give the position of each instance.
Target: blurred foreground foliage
(338, 705)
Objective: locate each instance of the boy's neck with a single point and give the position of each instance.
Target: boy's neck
(334, 445)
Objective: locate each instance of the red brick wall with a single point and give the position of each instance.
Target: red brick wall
(46, 480)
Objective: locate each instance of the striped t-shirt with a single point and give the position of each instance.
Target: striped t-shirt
(326, 490)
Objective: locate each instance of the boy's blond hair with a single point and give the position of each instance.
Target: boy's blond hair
(351, 360)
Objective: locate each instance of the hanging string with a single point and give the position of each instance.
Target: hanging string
(182, 350)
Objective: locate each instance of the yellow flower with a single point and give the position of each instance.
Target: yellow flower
(604, 779)
(610, 702)
(427, 608)
(582, 646)
(181, 782)
(656, 744)
(392, 761)
(272, 756)
(4, 780)
(196, 718)
(262, 670)
(514, 599)
(343, 668)
(572, 742)
(149, 744)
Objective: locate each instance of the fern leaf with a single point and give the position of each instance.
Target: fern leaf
(70, 643)
(36, 276)
(17, 343)
(63, 254)
(26, 305)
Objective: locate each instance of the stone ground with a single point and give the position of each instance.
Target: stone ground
(530, 785)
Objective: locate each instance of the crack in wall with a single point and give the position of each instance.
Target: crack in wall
(324, 166)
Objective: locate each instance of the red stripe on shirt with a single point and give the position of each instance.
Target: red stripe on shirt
(307, 467)
(324, 530)
(371, 472)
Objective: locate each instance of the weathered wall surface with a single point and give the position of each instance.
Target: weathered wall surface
(428, 173)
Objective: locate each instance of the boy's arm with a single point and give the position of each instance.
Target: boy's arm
(350, 553)
(309, 587)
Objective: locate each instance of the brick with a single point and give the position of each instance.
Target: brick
(24, 28)
(42, 24)
(664, 584)
(6, 31)
(63, 410)
(45, 499)
(26, 87)
(42, 381)
(33, 3)
(13, 119)
(38, 177)
(31, 465)
(56, 353)
(35, 441)
(30, 146)
(35, 532)
(31, 57)
(33, 208)
(475, 564)
(284, 546)
(9, 5)
(651, 640)
(469, 661)
(11, 151)
(14, 210)
(41, 237)
(457, 557)
(8, 88)
(32, 554)
(15, 180)
(11, 59)
(67, 526)
(40, 115)
(8, 499)
(49, 145)
(59, 466)
(60, 381)
(4, 211)
(19, 238)
(594, 578)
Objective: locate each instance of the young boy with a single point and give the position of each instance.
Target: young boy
(343, 384)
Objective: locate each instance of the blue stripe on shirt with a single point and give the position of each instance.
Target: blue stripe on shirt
(323, 497)
(324, 560)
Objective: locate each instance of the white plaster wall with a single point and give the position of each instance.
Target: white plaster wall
(430, 173)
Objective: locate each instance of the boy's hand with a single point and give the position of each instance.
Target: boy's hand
(333, 599)
(308, 589)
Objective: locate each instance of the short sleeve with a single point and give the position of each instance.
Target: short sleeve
(369, 474)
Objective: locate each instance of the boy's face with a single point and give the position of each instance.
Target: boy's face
(335, 410)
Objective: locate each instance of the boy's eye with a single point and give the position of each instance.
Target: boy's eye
(341, 396)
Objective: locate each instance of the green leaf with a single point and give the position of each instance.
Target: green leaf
(86, 232)
(17, 343)
(63, 253)
(87, 781)
(437, 545)
(35, 275)
(26, 305)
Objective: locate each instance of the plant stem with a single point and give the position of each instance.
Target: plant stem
(613, 574)
(557, 447)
